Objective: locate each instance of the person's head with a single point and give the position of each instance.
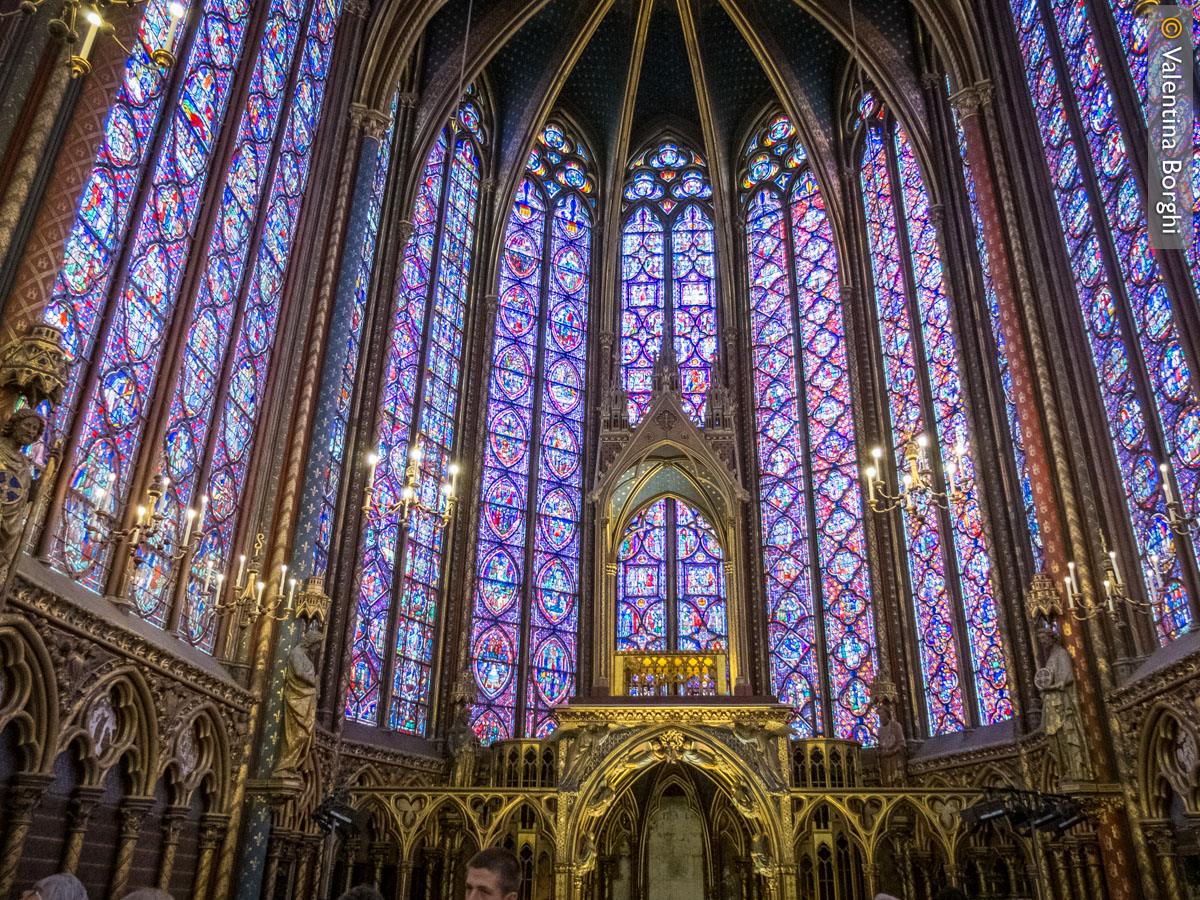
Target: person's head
(56, 887)
(24, 427)
(361, 892)
(493, 874)
(1046, 638)
(148, 894)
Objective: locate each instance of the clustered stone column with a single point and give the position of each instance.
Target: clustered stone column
(22, 799)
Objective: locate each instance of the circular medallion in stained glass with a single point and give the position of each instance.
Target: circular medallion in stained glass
(763, 166)
(124, 143)
(668, 156)
(552, 136)
(513, 372)
(564, 386)
(517, 310)
(560, 450)
(121, 403)
(494, 658)
(198, 110)
(521, 253)
(469, 116)
(505, 508)
(507, 438)
(1187, 436)
(557, 516)
(568, 269)
(779, 130)
(1173, 372)
(572, 175)
(1146, 483)
(498, 580)
(553, 666)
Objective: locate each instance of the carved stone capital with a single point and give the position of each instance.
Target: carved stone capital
(937, 215)
(407, 99)
(212, 830)
(404, 230)
(133, 813)
(360, 9)
(23, 797)
(971, 100)
(932, 81)
(371, 122)
(83, 803)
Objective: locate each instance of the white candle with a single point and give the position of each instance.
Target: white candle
(258, 592)
(176, 11)
(1070, 594)
(187, 529)
(1112, 556)
(241, 566)
(94, 22)
(1074, 583)
(203, 509)
(1165, 471)
(870, 473)
(951, 469)
(291, 594)
(1108, 592)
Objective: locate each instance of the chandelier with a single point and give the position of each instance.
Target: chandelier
(89, 17)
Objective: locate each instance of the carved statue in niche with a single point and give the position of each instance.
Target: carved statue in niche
(1055, 680)
(758, 745)
(580, 754)
(463, 744)
(893, 749)
(760, 854)
(16, 475)
(103, 725)
(299, 706)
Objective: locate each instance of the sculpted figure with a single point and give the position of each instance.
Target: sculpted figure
(299, 706)
(1060, 708)
(16, 475)
(464, 744)
(893, 749)
(580, 754)
(760, 854)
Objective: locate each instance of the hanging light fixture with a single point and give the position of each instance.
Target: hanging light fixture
(86, 20)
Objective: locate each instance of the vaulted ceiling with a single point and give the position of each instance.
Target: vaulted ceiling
(624, 70)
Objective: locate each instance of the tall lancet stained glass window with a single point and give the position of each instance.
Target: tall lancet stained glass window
(948, 561)
(671, 582)
(1129, 309)
(668, 275)
(124, 323)
(524, 630)
(819, 615)
(400, 566)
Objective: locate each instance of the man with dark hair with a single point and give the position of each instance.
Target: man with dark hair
(361, 892)
(493, 874)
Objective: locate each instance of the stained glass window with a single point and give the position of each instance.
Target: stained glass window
(1127, 309)
(671, 581)
(668, 275)
(236, 301)
(392, 650)
(926, 404)
(523, 637)
(811, 505)
(101, 467)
